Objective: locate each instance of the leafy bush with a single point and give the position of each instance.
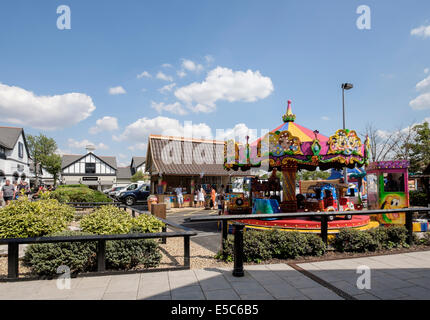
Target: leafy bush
(44, 258)
(256, 246)
(24, 218)
(147, 223)
(72, 186)
(128, 254)
(418, 199)
(112, 220)
(264, 245)
(426, 239)
(397, 236)
(76, 193)
(107, 220)
(351, 240)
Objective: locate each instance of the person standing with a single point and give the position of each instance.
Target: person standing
(8, 192)
(179, 196)
(201, 195)
(213, 198)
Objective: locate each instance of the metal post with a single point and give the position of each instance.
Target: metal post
(101, 256)
(187, 252)
(12, 260)
(164, 239)
(238, 251)
(224, 234)
(409, 227)
(133, 214)
(324, 229)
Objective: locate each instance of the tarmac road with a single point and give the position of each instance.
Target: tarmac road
(208, 234)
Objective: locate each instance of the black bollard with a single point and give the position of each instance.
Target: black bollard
(238, 251)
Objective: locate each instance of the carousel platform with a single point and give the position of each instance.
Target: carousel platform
(307, 225)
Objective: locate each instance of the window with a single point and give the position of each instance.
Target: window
(2, 153)
(394, 182)
(90, 168)
(20, 150)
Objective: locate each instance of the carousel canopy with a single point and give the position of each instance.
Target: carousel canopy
(291, 144)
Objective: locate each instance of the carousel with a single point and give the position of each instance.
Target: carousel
(288, 149)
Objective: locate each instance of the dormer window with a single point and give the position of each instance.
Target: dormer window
(20, 150)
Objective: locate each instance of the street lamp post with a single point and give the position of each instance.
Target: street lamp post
(345, 86)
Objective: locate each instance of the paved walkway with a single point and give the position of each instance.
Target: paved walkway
(402, 276)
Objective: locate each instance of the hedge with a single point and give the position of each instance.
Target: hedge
(351, 240)
(43, 259)
(265, 245)
(23, 218)
(112, 220)
(76, 193)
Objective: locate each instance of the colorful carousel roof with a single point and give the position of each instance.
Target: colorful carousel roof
(291, 144)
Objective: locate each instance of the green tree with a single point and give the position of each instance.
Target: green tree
(312, 175)
(52, 164)
(138, 176)
(42, 149)
(420, 148)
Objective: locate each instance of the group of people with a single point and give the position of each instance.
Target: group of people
(11, 191)
(217, 198)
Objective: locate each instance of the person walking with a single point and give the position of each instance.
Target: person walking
(180, 196)
(213, 198)
(201, 194)
(8, 192)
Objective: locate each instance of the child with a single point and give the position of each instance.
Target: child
(196, 197)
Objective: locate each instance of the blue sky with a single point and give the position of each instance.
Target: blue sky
(260, 54)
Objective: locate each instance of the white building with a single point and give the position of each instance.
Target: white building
(14, 155)
(97, 172)
(138, 164)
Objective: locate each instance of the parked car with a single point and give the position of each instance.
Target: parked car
(132, 197)
(129, 187)
(114, 191)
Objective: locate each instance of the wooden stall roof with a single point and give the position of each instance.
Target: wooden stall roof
(174, 156)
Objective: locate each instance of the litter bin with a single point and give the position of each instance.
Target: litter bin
(152, 200)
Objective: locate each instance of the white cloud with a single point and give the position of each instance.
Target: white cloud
(191, 66)
(139, 147)
(166, 65)
(62, 151)
(422, 102)
(75, 144)
(22, 107)
(174, 108)
(325, 118)
(104, 124)
(167, 88)
(181, 73)
(225, 84)
(424, 84)
(122, 155)
(144, 74)
(209, 59)
(140, 129)
(117, 90)
(423, 32)
(160, 75)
